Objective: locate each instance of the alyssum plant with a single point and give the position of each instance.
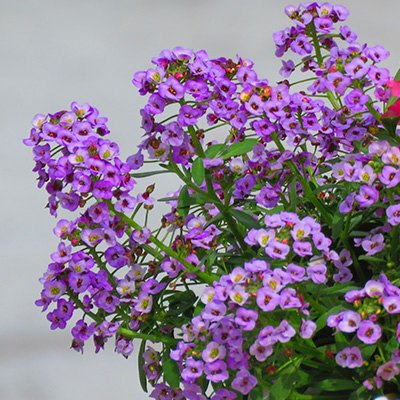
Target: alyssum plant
(288, 226)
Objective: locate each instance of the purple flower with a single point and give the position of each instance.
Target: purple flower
(171, 89)
(317, 273)
(307, 328)
(393, 214)
(54, 289)
(267, 299)
(349, 321)
(216, 371)
(373, 244)
(367, 196)
(260, 352)
(337, 82)
(284, 332)
(224, 394)
(388, 370)
(347, 205)
(392, 304)
(277, 249)
(246, 318)
(92, 236)
(213, 351)
(350, 357)
(82, 331)
(192, 370)
(368, 332)
(238, 295)
(287, 68)
(244, 382)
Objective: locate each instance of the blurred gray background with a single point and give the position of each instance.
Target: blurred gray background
(59, 51)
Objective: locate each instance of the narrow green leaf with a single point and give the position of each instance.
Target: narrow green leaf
(337, 224)
(215, 149)
(239, 148)
(372, 259)
(341, 341)
(247, 220)
(257, 393)
(142, 373)
(321, 321)
(198, 171)
(392, 344)
(281, 389)
(390, 123)
(171, 371)
(184, 202)
(367, 352)
(382, 135)
(335, 385)
(149, 173)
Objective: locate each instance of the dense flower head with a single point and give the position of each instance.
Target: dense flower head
(277, 257)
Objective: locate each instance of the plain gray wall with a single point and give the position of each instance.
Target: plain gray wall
(55, 52)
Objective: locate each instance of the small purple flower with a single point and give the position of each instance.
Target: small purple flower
(171, 89)
(287, 68)
(350, 357)
(54, 289)
(388, 370)
(213, 351)
(317, 273)
(260, 352)
(393, 214)
(246, 318)
(373, 244)
(347, 205)
(392, 304)
(368, 332)
(82, 331)
(277, 249)
(267, 299)
(307, 328)
(192, 370)
(349, 321)
(238, 295)
(216, 371)
(367, 196)
(244, 382)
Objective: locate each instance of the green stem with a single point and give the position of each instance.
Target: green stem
(207, 278)
(326, 216)
(154, 338)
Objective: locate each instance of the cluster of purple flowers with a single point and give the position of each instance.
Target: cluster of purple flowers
(280, 219)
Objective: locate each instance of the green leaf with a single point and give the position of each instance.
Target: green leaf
(341, 341)
(361, 394)
(215, 149)
(184, 202)
(390, 123)
(142, 373)
(198, 171)
(247, 220)
(239, 148)
(257, 393)
(367, 351)
(392, 344)
(180, 302)
(149, 173)
(281, 389)
(372, 259)
(171, 371)
(382, 135)
(336, 385)
(321, 321)
(337, 224)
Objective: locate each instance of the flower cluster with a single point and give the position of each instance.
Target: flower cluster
(275, 269)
